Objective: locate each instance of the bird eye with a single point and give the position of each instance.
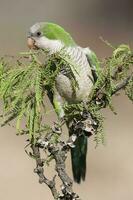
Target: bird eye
(38, 33)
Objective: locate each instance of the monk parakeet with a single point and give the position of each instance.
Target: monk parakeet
(54, 38)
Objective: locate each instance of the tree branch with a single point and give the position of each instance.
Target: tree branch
(122, 84)
(58, 152)
(40, 171)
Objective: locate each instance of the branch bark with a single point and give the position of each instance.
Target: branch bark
(40, 171)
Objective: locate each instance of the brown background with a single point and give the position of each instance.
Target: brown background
(110, 167)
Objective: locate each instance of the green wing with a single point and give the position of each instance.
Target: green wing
(55, 100)
(58, 105)
(93, 61)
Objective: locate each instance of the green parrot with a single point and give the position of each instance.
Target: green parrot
(54, 38)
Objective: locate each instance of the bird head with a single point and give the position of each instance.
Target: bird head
(48, 36)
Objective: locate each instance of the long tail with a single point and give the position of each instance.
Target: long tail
(78, 156)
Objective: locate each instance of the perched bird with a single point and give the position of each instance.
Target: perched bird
(54, 38)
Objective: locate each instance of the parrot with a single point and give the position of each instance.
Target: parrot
(53, 38)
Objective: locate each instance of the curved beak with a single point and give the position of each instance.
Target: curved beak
(31, 43)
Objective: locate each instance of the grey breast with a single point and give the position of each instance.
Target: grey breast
(82, 73)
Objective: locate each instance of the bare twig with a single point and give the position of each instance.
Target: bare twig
(122, 84)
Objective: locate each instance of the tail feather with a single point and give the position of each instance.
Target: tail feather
(78, 156)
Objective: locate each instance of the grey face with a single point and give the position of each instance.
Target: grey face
(37, 39)
(35, 30)
(33, 35)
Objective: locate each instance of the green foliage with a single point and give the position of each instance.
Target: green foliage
(23, 89)
(22, 94)
(98, 117)
(115, 69)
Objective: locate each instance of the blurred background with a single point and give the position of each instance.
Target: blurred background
(110, 167)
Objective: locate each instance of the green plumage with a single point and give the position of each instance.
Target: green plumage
(55, 32)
